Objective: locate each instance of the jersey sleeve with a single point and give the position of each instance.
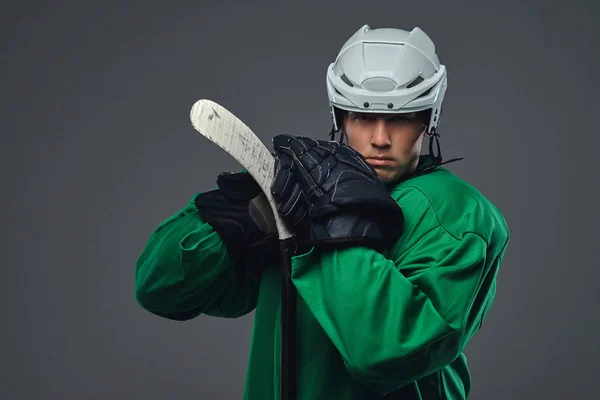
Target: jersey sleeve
(397, 320)
(184, 270)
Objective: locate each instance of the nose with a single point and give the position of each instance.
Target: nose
(381, 136)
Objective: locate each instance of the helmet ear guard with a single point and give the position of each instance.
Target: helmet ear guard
(337, 117)
(436, 108)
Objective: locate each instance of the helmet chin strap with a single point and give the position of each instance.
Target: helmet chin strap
(433, 135)
(437, 158)
(333, 132)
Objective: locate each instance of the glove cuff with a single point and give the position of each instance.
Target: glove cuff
(348, 230)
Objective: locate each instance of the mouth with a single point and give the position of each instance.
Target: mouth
(379, 161)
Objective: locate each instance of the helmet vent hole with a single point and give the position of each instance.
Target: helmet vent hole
(346, 80)
(415, 82)
(425, 93)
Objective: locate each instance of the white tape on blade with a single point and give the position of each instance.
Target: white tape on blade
(227, 131)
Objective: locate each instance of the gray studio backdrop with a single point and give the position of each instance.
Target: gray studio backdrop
(97, 149)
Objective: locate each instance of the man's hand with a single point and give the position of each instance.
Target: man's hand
(240, 213)
(330, 189)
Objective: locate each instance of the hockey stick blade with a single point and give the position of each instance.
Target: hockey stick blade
(223, 128)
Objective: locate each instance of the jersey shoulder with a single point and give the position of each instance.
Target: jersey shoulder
(452, 204)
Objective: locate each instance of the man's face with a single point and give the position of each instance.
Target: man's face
(391, 143)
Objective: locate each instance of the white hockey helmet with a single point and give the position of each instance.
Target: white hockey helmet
(387, 70)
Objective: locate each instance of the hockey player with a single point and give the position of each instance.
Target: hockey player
(396, 259)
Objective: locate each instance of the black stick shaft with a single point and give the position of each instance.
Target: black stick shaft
(288, 325)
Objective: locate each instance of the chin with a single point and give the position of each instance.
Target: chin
(388, 176)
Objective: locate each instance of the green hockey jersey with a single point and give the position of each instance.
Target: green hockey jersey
(370, 325)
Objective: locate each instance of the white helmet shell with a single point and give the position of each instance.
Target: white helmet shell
(387, 70)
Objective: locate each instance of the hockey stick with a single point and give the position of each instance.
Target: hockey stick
(224, 129)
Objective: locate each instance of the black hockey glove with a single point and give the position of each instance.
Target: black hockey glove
(328, 191)
(241, 215)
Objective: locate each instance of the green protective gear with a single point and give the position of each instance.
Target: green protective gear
(371, 325)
